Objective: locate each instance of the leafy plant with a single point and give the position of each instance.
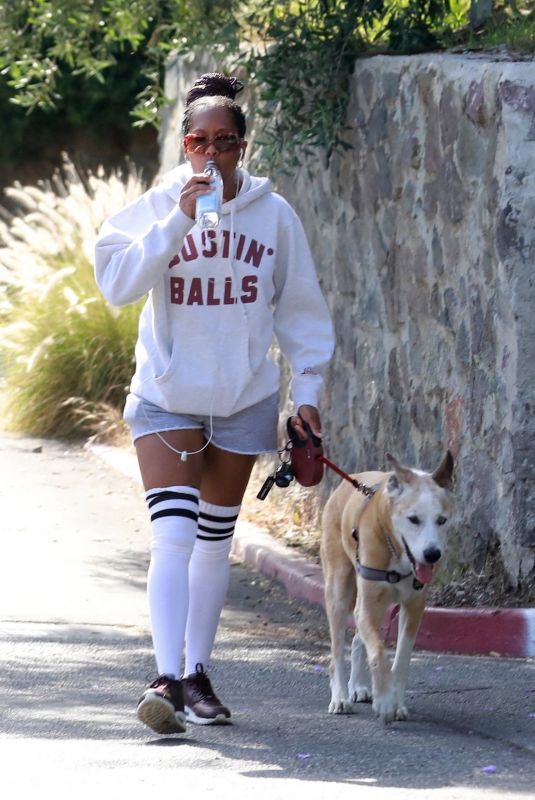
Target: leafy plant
(66, 354)
(512, 24)
(40, 40)
(301, 56)
(299, 52)
(417, 25)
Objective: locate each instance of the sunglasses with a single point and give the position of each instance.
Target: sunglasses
(196, 143)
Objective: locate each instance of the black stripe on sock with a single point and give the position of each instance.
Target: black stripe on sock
(174, 512)
(213, 518)
(161, 496)
(214, 538)
(216, 530)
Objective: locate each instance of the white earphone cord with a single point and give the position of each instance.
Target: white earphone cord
(182, 453)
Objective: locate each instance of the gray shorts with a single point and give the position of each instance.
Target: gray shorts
(250, 432)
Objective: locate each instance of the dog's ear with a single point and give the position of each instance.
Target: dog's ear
(393, 486)
(443, 475)
(401, 475)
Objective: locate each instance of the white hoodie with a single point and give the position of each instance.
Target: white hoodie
(212, 310)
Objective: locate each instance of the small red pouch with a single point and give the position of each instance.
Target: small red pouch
(304, 455)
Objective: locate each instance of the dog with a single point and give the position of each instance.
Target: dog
(378, 550)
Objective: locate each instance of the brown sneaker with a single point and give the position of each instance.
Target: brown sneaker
(161, 706)
(200, 702)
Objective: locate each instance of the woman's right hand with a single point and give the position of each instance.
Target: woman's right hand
(196, 186)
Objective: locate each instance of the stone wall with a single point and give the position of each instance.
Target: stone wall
(424, 239)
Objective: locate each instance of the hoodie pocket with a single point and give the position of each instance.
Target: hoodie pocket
(207, 370)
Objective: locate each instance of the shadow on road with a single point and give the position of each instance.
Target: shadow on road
(76, 682)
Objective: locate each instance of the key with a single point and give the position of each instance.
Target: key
(266, 487)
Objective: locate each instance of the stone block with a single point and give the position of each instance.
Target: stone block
(420, 412)
(431, 191)
(452, 193)
(366, 84)
(449, 116)
(520, 98)
(475, 156)
(376, 124)
(390, 84)
(432, 148)
(437, 252)
(451, 306)
(462, 345)
(509, 240)
(408, 197)
(384, 180)
(474, 103)
(419, 262)
(395, 387)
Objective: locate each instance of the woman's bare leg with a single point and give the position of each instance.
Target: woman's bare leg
(225, 476)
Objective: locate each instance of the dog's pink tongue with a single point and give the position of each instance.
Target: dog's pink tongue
(424, 572)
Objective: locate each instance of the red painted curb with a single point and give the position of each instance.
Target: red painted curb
(467, 631)
(479, 631)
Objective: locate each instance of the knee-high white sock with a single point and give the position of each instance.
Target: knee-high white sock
(174, 513)
(209, 572)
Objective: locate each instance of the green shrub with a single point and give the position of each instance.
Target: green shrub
(67, 355)
(511, 25)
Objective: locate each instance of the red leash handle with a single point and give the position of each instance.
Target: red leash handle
(367, 490)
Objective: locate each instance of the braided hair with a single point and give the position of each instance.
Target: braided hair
(214, 90)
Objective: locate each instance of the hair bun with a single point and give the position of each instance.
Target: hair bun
(213, 84)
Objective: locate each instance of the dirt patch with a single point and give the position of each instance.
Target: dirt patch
(491, 587)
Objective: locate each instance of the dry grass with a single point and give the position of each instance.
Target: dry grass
(66, 354)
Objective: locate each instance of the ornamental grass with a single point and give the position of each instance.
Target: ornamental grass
(66, 355)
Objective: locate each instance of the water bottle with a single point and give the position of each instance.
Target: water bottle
(208, 208)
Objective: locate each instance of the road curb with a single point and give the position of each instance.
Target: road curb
(467, 631)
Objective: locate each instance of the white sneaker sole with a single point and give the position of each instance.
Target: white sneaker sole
(160, 715)
(192, 717)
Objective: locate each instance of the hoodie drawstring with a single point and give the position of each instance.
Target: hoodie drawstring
(245, 312)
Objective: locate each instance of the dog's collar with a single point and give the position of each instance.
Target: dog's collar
(390, 576)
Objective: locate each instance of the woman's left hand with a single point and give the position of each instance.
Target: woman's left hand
(311, 415)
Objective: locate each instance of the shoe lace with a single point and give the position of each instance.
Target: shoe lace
(202, 689)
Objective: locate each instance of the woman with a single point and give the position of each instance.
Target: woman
(203, 402)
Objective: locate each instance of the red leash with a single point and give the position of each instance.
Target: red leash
(303, 454)
(366, 490)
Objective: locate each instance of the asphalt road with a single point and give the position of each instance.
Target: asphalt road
(75, 654)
